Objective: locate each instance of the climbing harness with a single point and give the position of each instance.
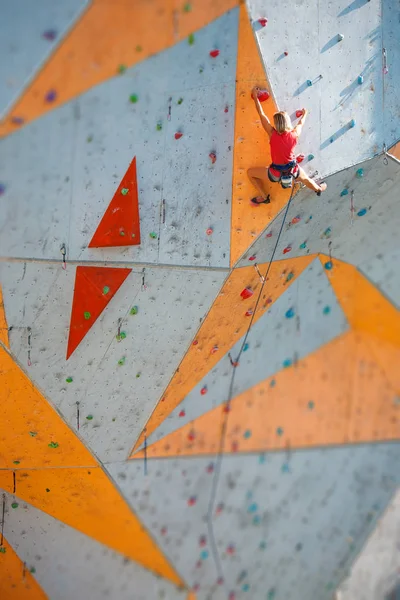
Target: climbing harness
(287, 173)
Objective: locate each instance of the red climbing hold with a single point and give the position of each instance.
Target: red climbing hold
(299, 113)
(226, 109)
(230, 549)
(263, 95)
(191, 435)
(120, 224)
(248, 313)
(214, 349)
(214, 53)
(195, 342)
(203, 390)
(192, 500)
(286, 53)
(300, 158)
(269, 234)
(89, 299)
(287, 249)
(178, 135)
(213, 157)
(253, 257)
(263, 21)
(202, 541)
(209, 231)
(246, 293)
(182, 413)
(296, 220)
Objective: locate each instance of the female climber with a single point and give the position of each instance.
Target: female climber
(284, 168)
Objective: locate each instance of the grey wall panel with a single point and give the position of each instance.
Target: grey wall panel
(23, 45)
(273, 339)
(69, 564)
(119, 398)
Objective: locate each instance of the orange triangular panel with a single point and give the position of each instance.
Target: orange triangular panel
(16, 581)
(3, 322)
(94, 288)
(120, 225)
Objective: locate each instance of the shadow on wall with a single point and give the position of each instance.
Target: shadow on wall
(353, 6)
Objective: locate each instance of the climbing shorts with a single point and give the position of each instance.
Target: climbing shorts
(284, 174)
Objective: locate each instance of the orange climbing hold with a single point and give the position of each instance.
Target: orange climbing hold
(94, 288)
(120, 225)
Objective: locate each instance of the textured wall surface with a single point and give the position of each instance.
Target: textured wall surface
(199, 397)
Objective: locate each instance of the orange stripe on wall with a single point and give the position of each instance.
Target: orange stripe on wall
(224, 325)
(3, 322)
(251, 147)
(16, 582)
(336, 395)
(110, 34)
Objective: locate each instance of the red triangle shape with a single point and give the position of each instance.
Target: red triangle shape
(120, 225)
(94, 288)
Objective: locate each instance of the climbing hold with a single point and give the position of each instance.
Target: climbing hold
(133, 98)
(253, 257)
(14, 505)
(246, 293)
(327, 232)
(2, 549)
(220, 581)
(214, 349)
(296, 220)
(17, 120)
(272, 383)
(252, 508)
(310, 156)
(262, 95)
(287, 249)
(138, 375)
(300, 158)
(360, 79)
(352, 123)
(49, 35)
(340, 37)
(204, 554)
(32, 570)
(247, 434)
(120, 336)
(195, 342)
(303, 245)
(178, 135)
(362, 212)
(192, 500)
(245, 347)
(153, 235)
(289, 277)
(310, 405)
(248, 313)
(226, 109)
(87, 315)
(328, 265)
(287, 363)
(290, 313)
(203, 390)
(69, 380)
(344, 192)
(331, 140)
(180, 101)
(279, 431)
(138, 48)
(201, 69)
(245, 587)
(309, 82)
(53, 445)
(187, 7)
(213, 157)
(309, 219)
(50, 96)
(16, 462)
(286, 53)
(106, 289)
(134, 310)
(121, 361)
(89, 417)
(33, 433)
(269, 234)
(210, 468)
(2, 189)
(209, 231)
(182, 413)
(214, 53)
(230, 549)
(124, 191)
(299, 113)
(326, 310)
(263, 21)
(159, 126)
(121, 69)
(360, 173)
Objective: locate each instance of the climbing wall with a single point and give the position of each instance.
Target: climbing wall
(199, 397)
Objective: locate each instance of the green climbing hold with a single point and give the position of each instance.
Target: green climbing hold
(32, 570)
(16, 462)
(87, 315)
(159, 126)
(180, 100)
(53, 445)
(121, 336)
(2, 550)
(69, 380)
(133, 98)
(121, 69)
(289, 277)
(113, 419)
(134, 310)
(106, 289)
(14, 505)
(121, 361)
(89, 139)
(138, 48)
(89, 417)
(201, 70)
(187, 7)
(124, 191)
(191, 39)
(138, 375)
(33, 433)
(153, 235)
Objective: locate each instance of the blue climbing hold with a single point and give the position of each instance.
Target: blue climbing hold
(252, 508)
(272, 383)
(247, 434)
(261, 459)
(311, 405)
(303, 245)
(360, 79)
(331, 140)
(285, 468)
(328, 265)
(245, 587)
(309, 82)
(362, 212)
(245, 347)
(287, 363)
(256, 519)
(279, 431)
(360, 173)
(290, 313)
(352, 123)
(310, 156)
(204, 554)
(326, 310)
(263, 545)
(344, 192)
(2, 188)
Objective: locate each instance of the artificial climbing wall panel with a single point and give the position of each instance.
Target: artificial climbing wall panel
(335, 68)
(27, 39)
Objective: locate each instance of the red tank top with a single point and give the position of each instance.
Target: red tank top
(282, 147)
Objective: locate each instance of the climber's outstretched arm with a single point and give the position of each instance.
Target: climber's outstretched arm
(299, 127)
(265, 122)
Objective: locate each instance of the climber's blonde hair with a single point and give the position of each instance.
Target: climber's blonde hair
(282, 122)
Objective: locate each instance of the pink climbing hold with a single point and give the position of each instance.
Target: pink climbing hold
(213, 157)
(226, 109)
(214, 349)
(192, 500)
(178, 135)
(287, 249)
(210, 468)
(299, 113)
(182, 413)
(263, 21)
(214, 53)
(247, 293)
(230, 549)
(209, 231)
(202, 541)
(203, 390)
(253, 257)
(269, 234)
(195, 342)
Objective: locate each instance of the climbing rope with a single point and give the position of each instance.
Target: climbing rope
(217, 470)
